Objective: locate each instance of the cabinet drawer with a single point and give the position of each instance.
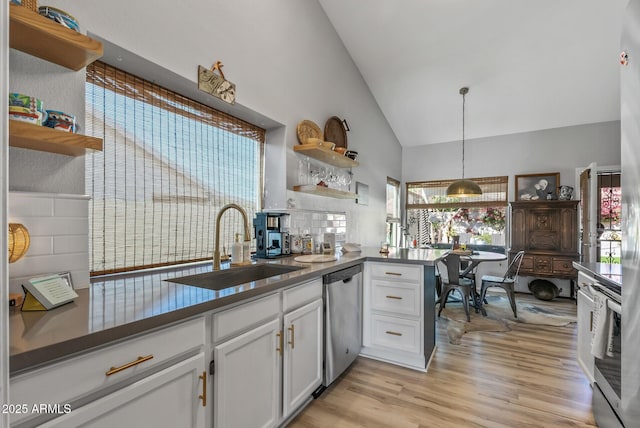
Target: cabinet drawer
(397, 334)
(584, 280)
(86, 374)
(298, 295)
(240, 318)
(563, 266)
(397, 298)
(542, 264)
(397, 272)
(527, 263)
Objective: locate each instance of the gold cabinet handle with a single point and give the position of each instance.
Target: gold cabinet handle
(293, 334)
(203, 397)
(394, 333)
(394, 297)
(393, 273)
(280, 342)
(114, 370)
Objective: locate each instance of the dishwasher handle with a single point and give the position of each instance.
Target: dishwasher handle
(344, 275)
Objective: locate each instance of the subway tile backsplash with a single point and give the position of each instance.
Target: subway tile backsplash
(317, 223)
(59, 229)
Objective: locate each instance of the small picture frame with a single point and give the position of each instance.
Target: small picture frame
(537, 187)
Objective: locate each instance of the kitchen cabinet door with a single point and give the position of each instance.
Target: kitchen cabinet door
(585, 322)
(303, 357)
(247, 378)
(169, 398)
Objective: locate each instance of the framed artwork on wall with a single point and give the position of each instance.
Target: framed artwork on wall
(537, 187)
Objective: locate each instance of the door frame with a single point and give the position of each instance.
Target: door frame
(593, 206)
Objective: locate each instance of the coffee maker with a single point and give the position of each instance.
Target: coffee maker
(272, 239)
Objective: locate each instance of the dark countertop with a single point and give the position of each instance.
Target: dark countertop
(121, 306)
(607, 273)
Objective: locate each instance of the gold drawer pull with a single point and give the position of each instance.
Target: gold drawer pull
(279, 335)
(293, 334)
(393, 273)
(203, 397)
(394, 297)
(394, 333)
(114, 370)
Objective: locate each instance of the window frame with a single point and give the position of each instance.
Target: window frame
(209, 126)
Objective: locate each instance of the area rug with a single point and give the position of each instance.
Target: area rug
(499, 317)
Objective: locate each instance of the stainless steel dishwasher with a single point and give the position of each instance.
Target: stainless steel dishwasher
(343, 320)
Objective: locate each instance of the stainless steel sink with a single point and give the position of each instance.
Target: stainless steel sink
(221, 279)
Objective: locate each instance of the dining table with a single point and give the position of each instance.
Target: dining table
(473, 259)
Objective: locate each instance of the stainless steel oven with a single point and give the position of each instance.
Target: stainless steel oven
(607, 388)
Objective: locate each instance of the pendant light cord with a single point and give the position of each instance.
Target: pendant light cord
(463, 92)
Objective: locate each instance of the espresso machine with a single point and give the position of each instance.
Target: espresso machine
(272, 239)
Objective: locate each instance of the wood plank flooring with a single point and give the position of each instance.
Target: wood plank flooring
(527, 377)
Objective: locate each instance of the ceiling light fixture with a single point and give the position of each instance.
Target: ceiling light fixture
(463, 188)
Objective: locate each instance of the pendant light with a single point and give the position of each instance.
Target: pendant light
(463, 188)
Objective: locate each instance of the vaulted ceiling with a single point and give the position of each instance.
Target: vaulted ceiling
(529, 65)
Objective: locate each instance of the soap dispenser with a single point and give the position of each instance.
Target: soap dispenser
(236, 251)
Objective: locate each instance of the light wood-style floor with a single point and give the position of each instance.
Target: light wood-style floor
(527, 377)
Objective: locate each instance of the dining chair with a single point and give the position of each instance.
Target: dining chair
(506, 282)
(454, 282)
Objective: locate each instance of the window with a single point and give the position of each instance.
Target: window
(169, 164)
(433, 217)
(393, 211)
(609, 218)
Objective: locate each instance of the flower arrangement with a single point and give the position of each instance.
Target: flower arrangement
(494, 218)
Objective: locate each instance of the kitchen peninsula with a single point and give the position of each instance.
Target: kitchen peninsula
(136, 305)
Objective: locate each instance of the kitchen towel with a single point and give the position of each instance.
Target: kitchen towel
(602, 328)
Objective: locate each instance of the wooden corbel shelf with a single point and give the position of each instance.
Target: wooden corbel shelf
(44, 139)
(324, 191)
(44, 38)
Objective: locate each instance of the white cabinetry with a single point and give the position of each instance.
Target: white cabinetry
(393, 314)
(147, 370)
(303, 356)
(268, 357)
(167, 398)
(247, 378)
(585, 324)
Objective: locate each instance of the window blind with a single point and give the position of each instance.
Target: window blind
(168, 165)
(433, 194)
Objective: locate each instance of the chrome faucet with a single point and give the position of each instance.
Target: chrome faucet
(247, 236)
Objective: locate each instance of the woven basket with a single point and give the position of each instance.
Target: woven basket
(308, 129)
(31, 4)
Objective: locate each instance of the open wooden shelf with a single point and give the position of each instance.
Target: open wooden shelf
(324, 191)
(44, 38)
(325, 155)
(44, 139)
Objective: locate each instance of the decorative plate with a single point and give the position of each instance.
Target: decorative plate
(308, 129)
(335, 132)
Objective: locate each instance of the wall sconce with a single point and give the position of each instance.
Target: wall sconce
(18, 241)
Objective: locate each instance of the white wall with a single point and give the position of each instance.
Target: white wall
(551, 150)
(287, 62)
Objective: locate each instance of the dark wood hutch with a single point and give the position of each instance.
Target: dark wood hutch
(548, 233)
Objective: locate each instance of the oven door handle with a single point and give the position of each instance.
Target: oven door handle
(614, 306)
